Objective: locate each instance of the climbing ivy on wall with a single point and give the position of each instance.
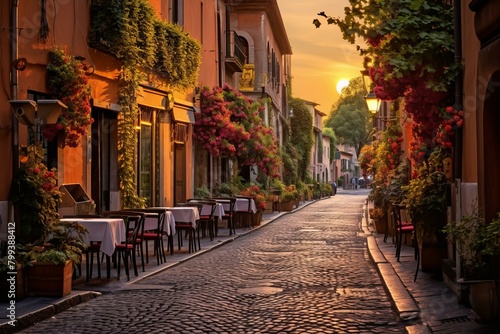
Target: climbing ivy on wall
(131, 31)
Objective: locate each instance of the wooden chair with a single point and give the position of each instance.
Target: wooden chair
(228, 205)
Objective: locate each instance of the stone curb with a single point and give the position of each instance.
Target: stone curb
(31, 318)
(403, 302)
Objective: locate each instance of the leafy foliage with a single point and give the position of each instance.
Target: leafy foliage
(477, 242)
(426, 199)
(409, 52)
(350, 118)
(130, 30)
(301, 135)
(60, 241)
(34, 190)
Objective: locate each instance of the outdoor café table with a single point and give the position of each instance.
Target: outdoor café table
(150, 222)
(241, 205)
(219, 211)
(183, 214)
(109, 231)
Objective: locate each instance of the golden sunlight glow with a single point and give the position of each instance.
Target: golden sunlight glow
(343, 83)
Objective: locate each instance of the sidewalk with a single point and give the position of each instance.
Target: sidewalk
(428, 305)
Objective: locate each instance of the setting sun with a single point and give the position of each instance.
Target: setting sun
(343, 83)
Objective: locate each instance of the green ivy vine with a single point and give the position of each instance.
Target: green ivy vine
(131, 31)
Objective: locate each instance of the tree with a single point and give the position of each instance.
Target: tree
(301, 136)
(350, 118)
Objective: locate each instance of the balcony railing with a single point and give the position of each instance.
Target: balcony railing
(235, 55)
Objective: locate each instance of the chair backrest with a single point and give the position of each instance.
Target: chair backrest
(133, 226)
(210, 203)
(397, 212)
(121, 213)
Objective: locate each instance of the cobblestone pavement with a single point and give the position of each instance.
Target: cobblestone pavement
(307, 272)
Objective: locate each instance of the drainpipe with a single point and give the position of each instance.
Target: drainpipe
(219, 43)
(14, 90)
(457, 156)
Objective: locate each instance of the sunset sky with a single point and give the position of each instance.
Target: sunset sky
(321, 58)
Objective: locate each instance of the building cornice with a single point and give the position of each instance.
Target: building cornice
(270, 7)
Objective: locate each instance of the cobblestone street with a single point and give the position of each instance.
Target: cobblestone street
(307, 272)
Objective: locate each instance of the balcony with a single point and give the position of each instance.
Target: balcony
(235, 55)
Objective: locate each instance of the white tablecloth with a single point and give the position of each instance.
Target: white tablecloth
(219, 210)
(151, 222)
(241, 205)
(109, 231)
(183, 214)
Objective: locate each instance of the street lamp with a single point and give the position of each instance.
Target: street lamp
(373, 102)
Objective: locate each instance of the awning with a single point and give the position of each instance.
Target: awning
(184, 115)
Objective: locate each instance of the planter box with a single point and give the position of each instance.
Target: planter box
(380, 224)
(483, 298)
(269, 207)
(285, 206)
(257, 218)
(50, 280)
(17, 290)
(431, 256)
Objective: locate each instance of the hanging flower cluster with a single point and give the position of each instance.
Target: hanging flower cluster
(229, 125)
(452, 120)
(218, 128)
(66, 80)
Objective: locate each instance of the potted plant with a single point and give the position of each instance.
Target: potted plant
(51, 259)
(34, 191)
(425, 198)
(288, 197)
(259, 198)
(478, 244)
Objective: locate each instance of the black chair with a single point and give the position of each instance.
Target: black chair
(228, 205)
(189, 229)
(127, 249)
(404, 228)
(156, 235)
(140, 239)
(93, 249)
(207, 219)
